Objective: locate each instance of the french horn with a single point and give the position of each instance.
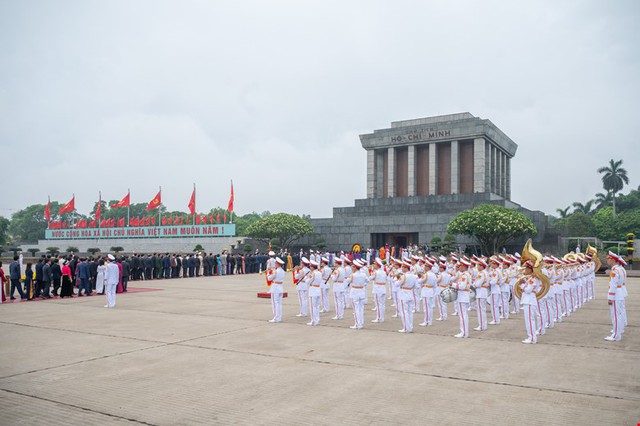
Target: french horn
(529, 253)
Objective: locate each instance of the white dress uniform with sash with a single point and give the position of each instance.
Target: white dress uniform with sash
(314, 281)
(357, 294)
(427, 294)
(505, 290)
(277, 279)
(494, 276)
(481, 284)
(462, 285)
(442, 282)
(405, 295)
(302, 288)
(339, 288)
(326, 287)
(529, 302)
(380, 293)
(615, 296)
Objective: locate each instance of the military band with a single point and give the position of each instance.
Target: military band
(546, 289)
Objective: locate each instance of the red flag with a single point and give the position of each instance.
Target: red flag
(112, 223)
(47, 211)
(176, 221)
(218, 218)
(164, 221)
(225, 218)
(69, 207)
(204, 218)
(99, 209)
(169, 220)
(153, 220)
(125, 202)
(197, 219)
(211, 219)
(230, 206)
(121, 222)
(92, 224)
(155, 203)
(192, 202)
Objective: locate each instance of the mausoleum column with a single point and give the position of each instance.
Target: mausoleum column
(379, 193)
(508, 194)
(433, 170)
(391, 171)
(455, 168)
(411, 171)
(371, 173)
(478, 165)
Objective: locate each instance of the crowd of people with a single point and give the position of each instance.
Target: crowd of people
(545, 292)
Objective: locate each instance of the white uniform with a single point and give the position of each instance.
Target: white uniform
(617, 279)
(112, 279)
(339, 288)
(442, 282)
(314, 280)
(302, 289)
(427, 295)
(529, 302)
(277, 278)
(405, 296)
(462, 285)
(481, 284)
(379, 293)
(325, 286)
(505, 291)
(358, 281)
(496, 295)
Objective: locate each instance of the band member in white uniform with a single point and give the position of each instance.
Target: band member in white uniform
(528, 301)
(357, 283)
(277, 278)
(408, 282)
(442, 282)
(348, 270)
(496, 296)
(462, 285)
(481, 284)
(325, 286)
(379, 290)
(300, 275)
(314, 281)
(339, 288)
(427, 294)
(505, 290)
(617, 279)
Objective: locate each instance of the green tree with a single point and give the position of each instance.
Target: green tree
(93, 251)
(243, 222)
(116, 249)
(4, 227)
(198, 247)
(603, 200)
(53, 250)
(606, 225)
(614, 178)
(491, 226)
(580, 224)
(72, 249)
(283, 227)
(33, 251)
(563, 212)
(585, 208)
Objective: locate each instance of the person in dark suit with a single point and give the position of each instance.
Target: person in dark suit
(46, 279)
(126, 272)
(93, 272)
(39, 266)
(196, 260)
(56, 276)
(135, 267)
(83, 277)
(166, 266)
(192, 266)
(14, 275)
(148, 267)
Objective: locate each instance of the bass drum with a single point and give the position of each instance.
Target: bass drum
(472, 295)
(449, 295)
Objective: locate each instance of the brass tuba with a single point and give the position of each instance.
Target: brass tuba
(529, 253)
(594, 253)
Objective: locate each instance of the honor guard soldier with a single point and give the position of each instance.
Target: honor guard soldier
(325, 286)
(277, 278)
(615, 296)
(408, 282)
(528, 284)
(494, 282)
(427, 294)
(481, 284)
(462, 284)
(379, 290)
(357, 284)
(299, 278)
(339, 288)
(314, 282)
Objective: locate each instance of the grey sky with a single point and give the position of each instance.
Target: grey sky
(110, 95)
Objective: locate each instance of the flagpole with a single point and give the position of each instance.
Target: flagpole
(128, 205)
(193, 216)
(49, 207)
(159, 207)
(73, 214)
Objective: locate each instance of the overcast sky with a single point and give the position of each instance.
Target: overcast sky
(109, 95)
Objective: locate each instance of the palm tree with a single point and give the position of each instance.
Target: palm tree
(603, 200)
(614, 179)
(563, 212)
(585, 208)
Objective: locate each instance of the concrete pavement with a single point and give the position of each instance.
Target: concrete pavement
(200, 351)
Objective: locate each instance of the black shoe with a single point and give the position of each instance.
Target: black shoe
(12, 298)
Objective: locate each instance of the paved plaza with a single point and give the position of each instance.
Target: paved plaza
(200, 351)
